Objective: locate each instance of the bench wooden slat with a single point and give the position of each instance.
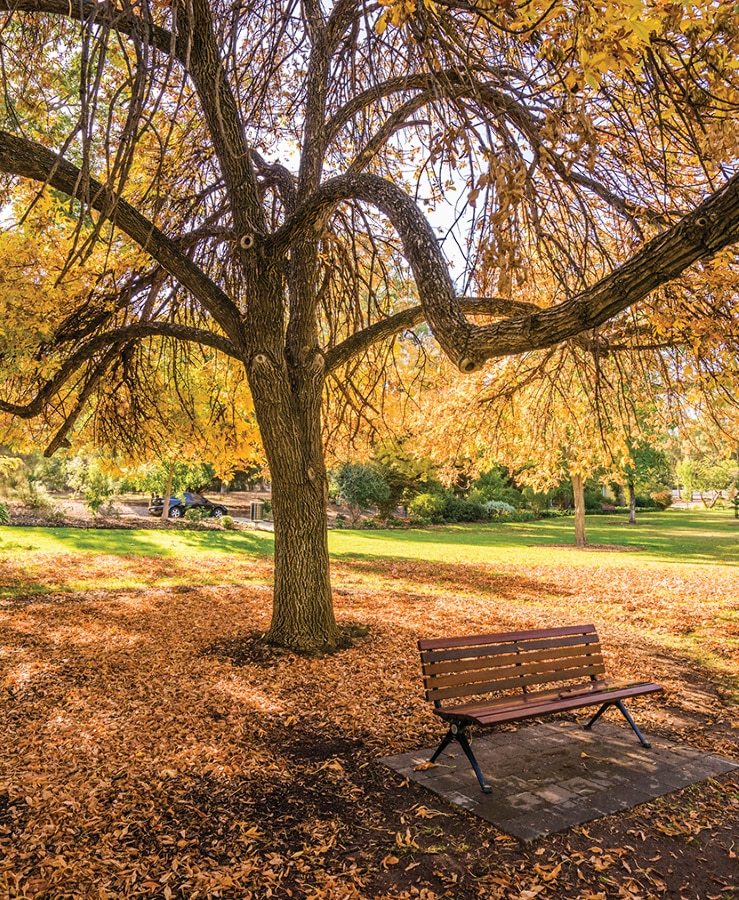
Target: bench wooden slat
(472, 640)
(432, 657)
(561, 704)
(588, 692)
(473, 677)
(436, 670)
(527, 680)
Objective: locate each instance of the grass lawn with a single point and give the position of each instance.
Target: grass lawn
(149, 747)
(685, 536)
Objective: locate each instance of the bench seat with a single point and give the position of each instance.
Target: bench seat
(525, 706)
(551, 670)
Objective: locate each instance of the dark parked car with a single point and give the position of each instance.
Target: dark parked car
(178, 508)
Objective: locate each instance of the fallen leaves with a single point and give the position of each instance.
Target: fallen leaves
(148, 751)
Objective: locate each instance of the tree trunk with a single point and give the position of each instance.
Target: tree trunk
(302, 615)
(167, 493)
(288, 411)
(632, 503)
(578, 489)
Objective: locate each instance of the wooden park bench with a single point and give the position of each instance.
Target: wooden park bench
(550, 670)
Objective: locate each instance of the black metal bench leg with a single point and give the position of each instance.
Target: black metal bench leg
(627, 716)
(448, 738)
(619, 704)
(465, 745)
(456, 733)
(589, 724)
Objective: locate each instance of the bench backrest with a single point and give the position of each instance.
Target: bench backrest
(485, 663)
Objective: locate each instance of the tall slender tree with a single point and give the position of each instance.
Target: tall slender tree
(267, 168)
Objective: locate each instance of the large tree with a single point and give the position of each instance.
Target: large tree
(267, 167)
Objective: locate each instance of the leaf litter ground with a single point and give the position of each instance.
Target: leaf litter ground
(152, 748)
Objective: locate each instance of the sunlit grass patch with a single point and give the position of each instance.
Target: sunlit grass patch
(688, 536)
(133, 542)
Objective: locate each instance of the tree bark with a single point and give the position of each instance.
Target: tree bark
(632, 503)
(287, 404)
(302, 614)
(167, 493)
(578, 489)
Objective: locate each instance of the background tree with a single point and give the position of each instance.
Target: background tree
(648, 467)
(360, 486)
(707, 476)
(550, 416)
(251, 180)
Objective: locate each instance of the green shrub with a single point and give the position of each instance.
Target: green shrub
(34, 495)
(340, 521)
(197, 514)
(593, 499)
(662, 499)
(521, 515)
(456, 509)
(426, 508)
(360, 487)
(228, 523)
(496, 484)
(499, 508)
(371, 523)
(4, 514)
(395, 522)
(644, 501)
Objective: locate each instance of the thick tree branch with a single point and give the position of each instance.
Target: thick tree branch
(280, 177)
(205, 66)
(19, 156)
(408, 318)
(100, 13)
(713, 225)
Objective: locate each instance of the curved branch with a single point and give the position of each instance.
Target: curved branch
(517, 113)
(118, 336)
(378, 92)
(408, 318)
(19, 156)
(205, 67)
(713, 225)
(401, 118)
(279, 176)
